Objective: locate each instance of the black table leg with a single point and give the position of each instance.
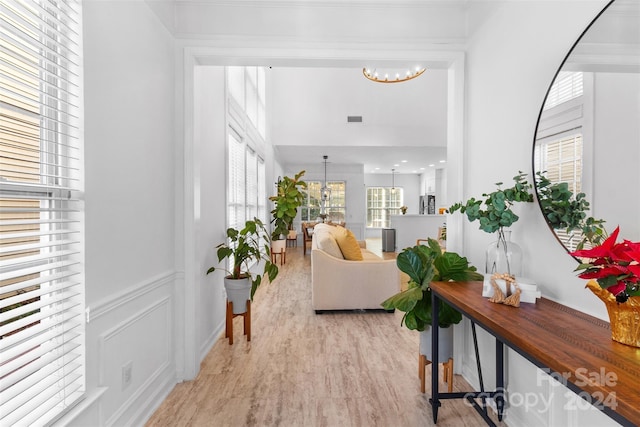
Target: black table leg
(435, 401)
(499, 398)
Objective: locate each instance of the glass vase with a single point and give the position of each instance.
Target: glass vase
(504, 256)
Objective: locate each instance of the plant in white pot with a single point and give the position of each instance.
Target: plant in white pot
(244, 248)
(287, 201)
(425, 264)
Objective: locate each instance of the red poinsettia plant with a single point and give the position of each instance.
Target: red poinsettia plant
(614, 265)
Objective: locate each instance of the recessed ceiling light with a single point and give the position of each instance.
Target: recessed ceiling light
(421, 169)
(377, 169)
(443, 161)
(431, 165)
(404, 161)
(396, 165)
(414, 172)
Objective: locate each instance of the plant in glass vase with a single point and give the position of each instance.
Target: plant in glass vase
(494, 214)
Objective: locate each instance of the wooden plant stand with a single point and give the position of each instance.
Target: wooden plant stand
(283, 257)
(447, 373)
(247, 321)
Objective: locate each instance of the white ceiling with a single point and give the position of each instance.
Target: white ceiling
(407, 123)
(373, 159)
(404, 125)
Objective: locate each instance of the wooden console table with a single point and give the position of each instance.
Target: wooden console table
(564, 342)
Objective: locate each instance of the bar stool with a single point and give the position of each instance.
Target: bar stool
(228, 333)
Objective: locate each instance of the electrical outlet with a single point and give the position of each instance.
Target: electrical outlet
(126, 374)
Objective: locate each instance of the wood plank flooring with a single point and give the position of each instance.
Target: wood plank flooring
(303, 369)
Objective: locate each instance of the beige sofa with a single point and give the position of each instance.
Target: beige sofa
(340, 284)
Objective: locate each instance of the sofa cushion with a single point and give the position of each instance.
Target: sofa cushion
(348, 244)
(327, 243)
(367, 255)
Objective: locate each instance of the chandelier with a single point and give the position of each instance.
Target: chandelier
(389, 76)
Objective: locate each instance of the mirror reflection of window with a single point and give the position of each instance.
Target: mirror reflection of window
(567, 86)
(559, 149)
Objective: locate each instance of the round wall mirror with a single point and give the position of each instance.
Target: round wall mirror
(586, 155)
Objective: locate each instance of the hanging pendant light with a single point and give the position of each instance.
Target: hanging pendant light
(393, 181)
(325, 191)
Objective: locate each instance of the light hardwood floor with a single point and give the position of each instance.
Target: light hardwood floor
(303, 369)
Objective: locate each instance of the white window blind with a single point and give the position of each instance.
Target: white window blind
(567, 85)
(561, 161)
(252, 183)
(246, 169)
(42, 366)
(236, 183)
(262, 197)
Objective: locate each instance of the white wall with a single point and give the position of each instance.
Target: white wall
(617, 152)
(512, 57)
(209, 159)
(129, 124)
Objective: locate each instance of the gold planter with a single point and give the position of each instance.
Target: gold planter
(624, 317)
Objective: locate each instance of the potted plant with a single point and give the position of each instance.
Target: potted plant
(243, 248)
(497, 213)
(613, 271)
(287, 200)
(425, 264)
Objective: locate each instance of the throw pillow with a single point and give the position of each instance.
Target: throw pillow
(327, 243)
(348, 244)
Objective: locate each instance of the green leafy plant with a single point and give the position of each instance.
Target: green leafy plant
(497, 212)
(565, 211)
(244, 248)
(425, 264)
(287, 201)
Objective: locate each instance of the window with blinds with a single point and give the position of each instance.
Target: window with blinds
(42, 366)
(246, 181)
(336, 207)
(382, 202)
(236, 187)
(561, 161)
(247, 86)
(567, 85)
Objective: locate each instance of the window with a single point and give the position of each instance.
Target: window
(567, 85)
(246, 188)
(382, 202)
(236, 212)
(42, 365)
(561, 161)
(336, 207)
(247, 88)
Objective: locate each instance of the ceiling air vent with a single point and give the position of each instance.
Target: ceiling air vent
(354, 119)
